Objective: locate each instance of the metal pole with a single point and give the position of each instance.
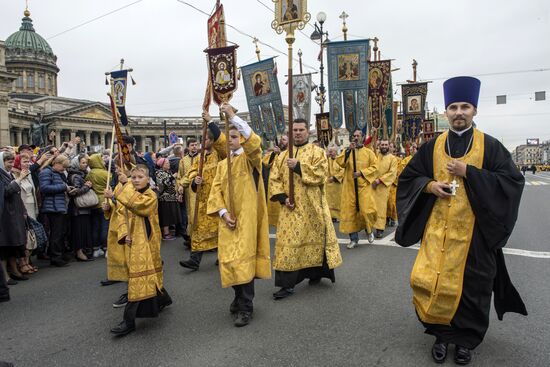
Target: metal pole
(321, 69)
(290, 41)
(165, 136)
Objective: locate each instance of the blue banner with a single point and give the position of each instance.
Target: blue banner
(120, 82)
(348, 83)
(264, 99)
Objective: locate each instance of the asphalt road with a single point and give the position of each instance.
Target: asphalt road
(62, 317)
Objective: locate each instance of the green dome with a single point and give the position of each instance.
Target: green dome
(27, 38)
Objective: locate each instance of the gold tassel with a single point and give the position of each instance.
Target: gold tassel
(133, 81)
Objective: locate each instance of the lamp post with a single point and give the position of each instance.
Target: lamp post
(318, 35)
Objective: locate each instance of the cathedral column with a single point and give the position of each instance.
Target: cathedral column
(73, 134)
(88, 138)
(36, 81)
(58, 137)
(18, 137)
(102, 139)
(24, 81)
(142, 143)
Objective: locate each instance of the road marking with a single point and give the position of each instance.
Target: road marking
(527, 183)
(389, 242)
(535, 183)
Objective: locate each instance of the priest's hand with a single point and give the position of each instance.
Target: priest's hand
(438, 189)
(230, 222)
(353, 145)
(276, 149)
(331, 179)
(180, 190)
(457, 168)
(198, 180)
(357, 174)
(375, 183)
(288, 204)
(108, 193)
(291, 162)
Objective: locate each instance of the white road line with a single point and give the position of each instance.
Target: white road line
(527, 183)
(535, 183)
(389, 242)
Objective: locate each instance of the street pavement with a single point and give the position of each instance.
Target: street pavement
(62, 317)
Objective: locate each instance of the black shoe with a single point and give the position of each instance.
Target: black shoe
(243, 318)
(233, 307)
(439, 351)
(59, 263)
(462, 355)
(379, 234)
(5, 298)
(11, 281)
(314, 281)
(84, 260)
(189, 265)
(165, 304)
(283, 293)
(107, 282)
(123, 328)
(122, 301)
(67, 256)
(21, 277)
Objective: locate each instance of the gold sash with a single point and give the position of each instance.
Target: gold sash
(438, 273)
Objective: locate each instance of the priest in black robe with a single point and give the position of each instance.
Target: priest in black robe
(459, 196)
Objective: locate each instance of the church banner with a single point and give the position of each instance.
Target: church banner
(263, 98)
(414, 100)
(223, 72)
(301, 96)
(324, 130)
(379, 86)
(120, 82)
(216, 29)
(348, 83)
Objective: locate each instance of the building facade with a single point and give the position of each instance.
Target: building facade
(29, 102)
(528, 154)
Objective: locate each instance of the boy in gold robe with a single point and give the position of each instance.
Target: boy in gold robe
(139, 234)
(243, 237)
(306, 245)
(204, 232)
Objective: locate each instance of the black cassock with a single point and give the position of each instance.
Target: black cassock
(494, 192)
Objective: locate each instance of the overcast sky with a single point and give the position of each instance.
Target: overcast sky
(163, 41)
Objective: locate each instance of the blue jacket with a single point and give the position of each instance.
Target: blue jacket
(53, 186)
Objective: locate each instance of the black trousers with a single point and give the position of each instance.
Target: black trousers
(196, 257)
(58, 229)
(150, 307)
(4, 290)
(244, 295)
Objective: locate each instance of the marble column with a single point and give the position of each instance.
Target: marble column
(88, 138)
(18, 137)
(102, 139)
(58, 137)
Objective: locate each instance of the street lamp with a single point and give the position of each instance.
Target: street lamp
(318, 35)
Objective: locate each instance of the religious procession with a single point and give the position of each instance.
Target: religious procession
(333, 175)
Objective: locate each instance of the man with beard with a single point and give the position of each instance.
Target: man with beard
(187, 194)
(267, 163)
(460, 196)
(387, 171)
(306, 245)
(358, 209)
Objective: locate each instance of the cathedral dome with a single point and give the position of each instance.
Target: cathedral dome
(30, 56)
(27, 38)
